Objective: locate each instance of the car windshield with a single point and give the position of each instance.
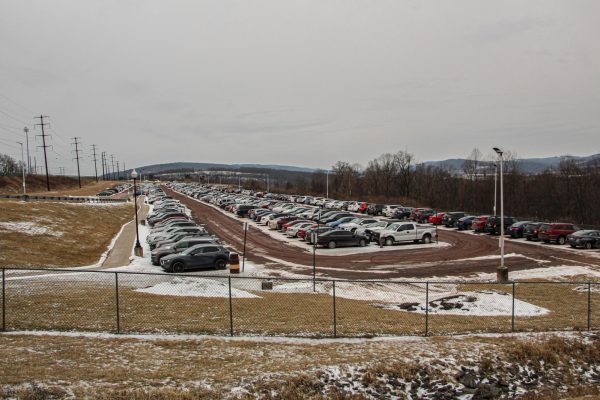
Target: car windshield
(545, 226)
(394, 226)
(382, 224)
(355, 221)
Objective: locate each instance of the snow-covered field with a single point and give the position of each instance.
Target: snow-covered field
(29, 228)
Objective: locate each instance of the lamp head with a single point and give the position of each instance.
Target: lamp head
(134, 174)
(498, 151)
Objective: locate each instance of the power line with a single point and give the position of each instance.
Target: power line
(43, 135)
(95, 165)
(13, 117)
(76, 143)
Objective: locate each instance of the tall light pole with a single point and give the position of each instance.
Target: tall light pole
(137, 250)
(502, 273)
(495, 186)
(26, 130)
(327, 184)
(23, 169)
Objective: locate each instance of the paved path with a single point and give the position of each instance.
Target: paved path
(123, 248)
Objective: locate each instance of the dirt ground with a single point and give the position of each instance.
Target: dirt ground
(462, 257)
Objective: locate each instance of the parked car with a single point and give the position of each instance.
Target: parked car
(556, 232)
(406, 232)
(199, 256)
(178, 247)
(531, 231)
(423, 215)
(436, 218)
(401, 213)
(318, 230)
(493, 225)
(517, 229)
(588, 239)
(478, 224)
(450, 219)
(465, 222)
(375, 209)
(338, 238)
(388, 210)
(356, 223)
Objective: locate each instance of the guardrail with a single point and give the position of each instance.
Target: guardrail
(78, 199)
(136, 302)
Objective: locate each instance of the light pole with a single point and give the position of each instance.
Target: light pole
(495, 186)
(23, 169)
(502, 272)
(26, 130)
(327, 184)
(137, 250)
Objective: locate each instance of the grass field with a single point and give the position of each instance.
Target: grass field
(59, 185)
(57, 234)
(90, 305)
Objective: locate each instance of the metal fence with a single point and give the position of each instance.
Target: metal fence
(128, 302)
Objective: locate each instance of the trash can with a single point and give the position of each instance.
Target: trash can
(234, 263)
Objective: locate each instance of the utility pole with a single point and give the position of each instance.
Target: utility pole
(44, 146)
(23, 169)
(76, 143)
(118, 171)
(112, 162)
(103, 165)
(26, 130)
(95, 165)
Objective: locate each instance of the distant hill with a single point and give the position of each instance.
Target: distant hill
(158, 168)
(528, 165)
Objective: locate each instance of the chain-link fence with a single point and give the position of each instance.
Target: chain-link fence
(128, 302)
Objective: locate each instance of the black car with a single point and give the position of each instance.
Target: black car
(401, 213)
(375, 209)
(338, 238)
(199, 256)
(335, 217)
(243, 209)
(531, 231)
(517, 230)
(465, 223)
(588, 239)
(493, 225)
(319, 231)
(451, 219)
(180, 246)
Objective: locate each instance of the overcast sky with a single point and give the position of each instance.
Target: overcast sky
(301, 82)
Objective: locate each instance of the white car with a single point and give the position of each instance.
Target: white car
(293, 230)
(388, 210)
(356, 223)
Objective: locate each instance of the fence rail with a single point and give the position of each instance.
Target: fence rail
(77, 199)
(138, 302)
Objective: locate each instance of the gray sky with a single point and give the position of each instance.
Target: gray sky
(302, 82)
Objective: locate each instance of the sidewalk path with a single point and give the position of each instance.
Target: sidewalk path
(123, 248)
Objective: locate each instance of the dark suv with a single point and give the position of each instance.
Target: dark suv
(556, 232)
(199, 256)
(492, 225)
(338, 238)
(179, 246)
(531, 231)
(375, 209)
(450, 219)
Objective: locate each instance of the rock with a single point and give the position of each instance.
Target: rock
(469, 379)
(407, 306)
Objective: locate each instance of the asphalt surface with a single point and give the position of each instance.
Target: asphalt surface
(466, 255)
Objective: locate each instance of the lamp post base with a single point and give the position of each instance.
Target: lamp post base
(502, 274)
(138, 251)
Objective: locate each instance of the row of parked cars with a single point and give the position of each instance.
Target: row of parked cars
(363, 219)
(320, 226)
(114, 190)
(177, 242)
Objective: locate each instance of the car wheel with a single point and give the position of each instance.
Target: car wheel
(588, 245)
(220, 264)
(561, 240)
(331, 245)
(427, 239)
(573, 246)
(528, 239)
(546, 241)
(177, 268)
(362, 243)
(389, 241)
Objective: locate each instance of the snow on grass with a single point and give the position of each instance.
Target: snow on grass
(29, 228)
(481, 303)
(196, 287)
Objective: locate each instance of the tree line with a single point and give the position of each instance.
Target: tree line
(569, 192)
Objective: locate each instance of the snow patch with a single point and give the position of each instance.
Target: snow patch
(196, 287)
(29, 228)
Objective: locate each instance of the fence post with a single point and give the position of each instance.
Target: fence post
(3, 299)
(334, 313)
(230, 309)
(427, 309)
(118, 313)
(512, 322)
(589, 310)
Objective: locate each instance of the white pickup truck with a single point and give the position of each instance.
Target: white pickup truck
(407, 232)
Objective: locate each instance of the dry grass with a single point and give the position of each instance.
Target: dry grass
(89, 188)
(91, 306)
(86, 231)
(60, 185)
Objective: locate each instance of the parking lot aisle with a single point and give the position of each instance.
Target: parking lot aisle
(122, 250)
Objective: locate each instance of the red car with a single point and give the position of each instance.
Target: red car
(436, 219)
(556, 232)
(363, 208)
(285, 226)
(302, 232)
(478, 224)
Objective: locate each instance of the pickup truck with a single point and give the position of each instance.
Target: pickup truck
(407, 232)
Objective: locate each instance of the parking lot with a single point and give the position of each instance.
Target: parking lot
(459, 253)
